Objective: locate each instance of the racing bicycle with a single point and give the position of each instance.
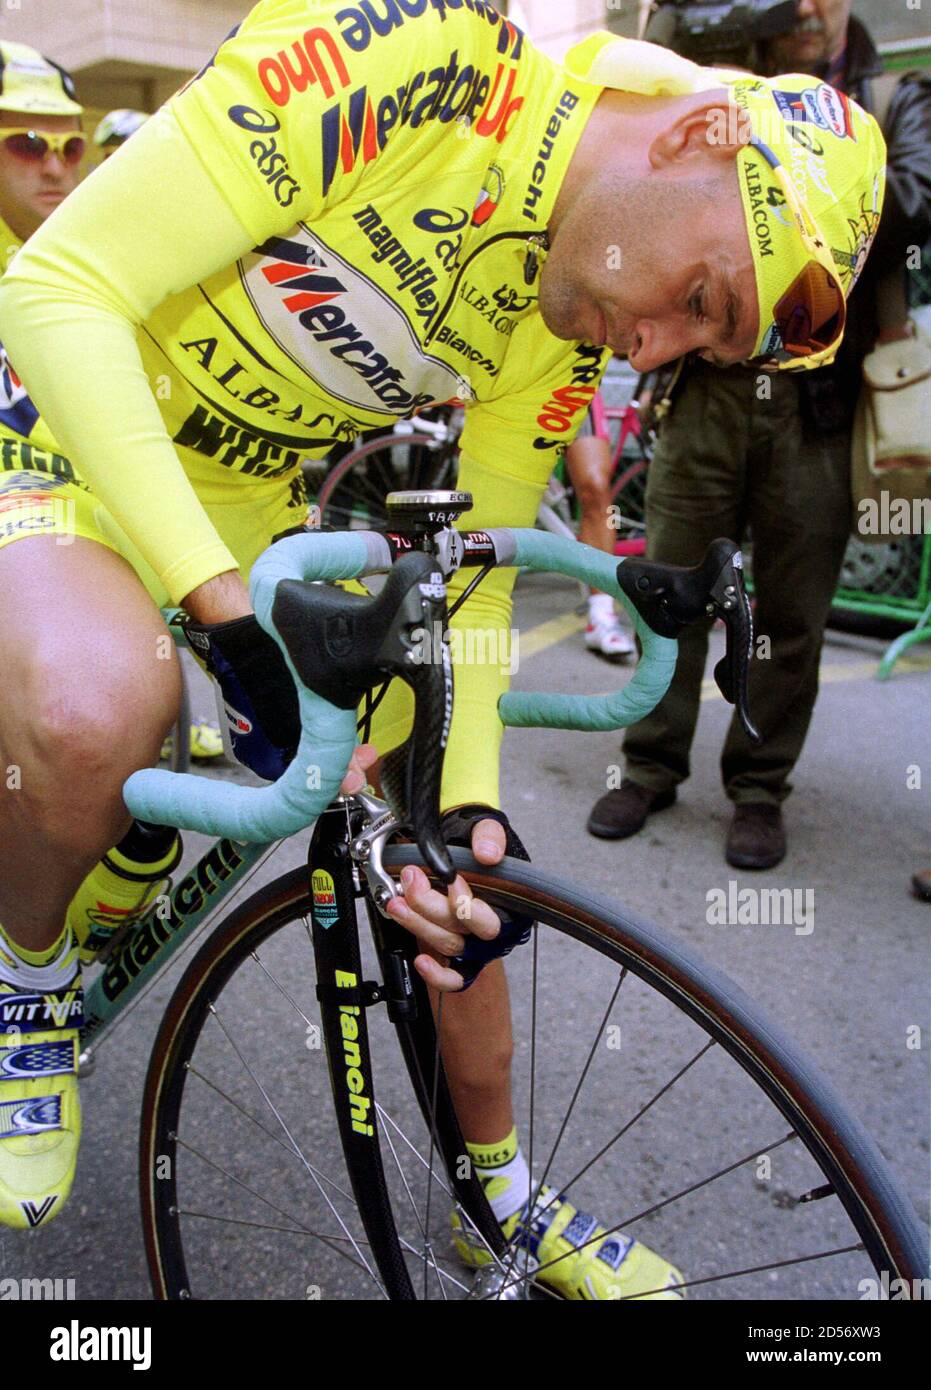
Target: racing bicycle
(267, 1171)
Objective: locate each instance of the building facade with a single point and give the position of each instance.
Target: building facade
(137, 52)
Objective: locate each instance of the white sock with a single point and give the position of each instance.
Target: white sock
(507, 1187)
(55, 974)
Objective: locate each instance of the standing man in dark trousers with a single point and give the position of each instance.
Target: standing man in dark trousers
(739, 449)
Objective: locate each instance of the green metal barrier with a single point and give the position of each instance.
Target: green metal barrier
(890, 581)
(893, 580)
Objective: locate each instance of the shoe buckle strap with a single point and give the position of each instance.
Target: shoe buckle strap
(42, 1013)
(37, 1115)
(536, 1219)
(579, 1230)
(613, 1250)
(28, 1060)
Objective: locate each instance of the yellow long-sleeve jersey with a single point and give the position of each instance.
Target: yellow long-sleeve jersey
(324, 231)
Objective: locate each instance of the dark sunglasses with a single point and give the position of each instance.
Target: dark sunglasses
(33, 146)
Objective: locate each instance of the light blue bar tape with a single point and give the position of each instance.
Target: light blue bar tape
(263, 814)
(537, 550)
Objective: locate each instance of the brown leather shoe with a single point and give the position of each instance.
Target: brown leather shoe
(921, 885)
(757, 837)
(624, 811)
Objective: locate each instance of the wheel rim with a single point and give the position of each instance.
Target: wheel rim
(540, 1131)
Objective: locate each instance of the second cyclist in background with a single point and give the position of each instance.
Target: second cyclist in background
(116, 128)
(588, 463)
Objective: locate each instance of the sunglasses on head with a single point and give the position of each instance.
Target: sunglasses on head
(33, 146)
(810, 314)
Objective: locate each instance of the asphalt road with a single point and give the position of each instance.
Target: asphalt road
(853, 991)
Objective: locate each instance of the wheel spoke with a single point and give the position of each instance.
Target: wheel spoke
(523, 1241)
(675, 983)
(310, 1022)
(276, 1138)
(666, 1202)
(752, 1269)
(433, 1094)
(438, 1179)
(329, 1241)
(297, 1149)
(640, 1113)
(585, 1070)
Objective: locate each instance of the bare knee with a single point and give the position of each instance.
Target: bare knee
(89, 684)
(77, 741)
(592, 496)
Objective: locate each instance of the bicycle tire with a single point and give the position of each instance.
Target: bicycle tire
(625, 476)
(875, 1203)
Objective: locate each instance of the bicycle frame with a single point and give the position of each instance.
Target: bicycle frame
(335, 884)
(138, 957)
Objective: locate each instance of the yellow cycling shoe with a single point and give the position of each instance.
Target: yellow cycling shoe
(572, 1260)
(41, 1011)
(206, 742)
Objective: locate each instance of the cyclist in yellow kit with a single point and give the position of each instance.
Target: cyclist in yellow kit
(356, 210)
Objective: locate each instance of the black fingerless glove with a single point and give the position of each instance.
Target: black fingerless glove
(515, 927)
(259, 695)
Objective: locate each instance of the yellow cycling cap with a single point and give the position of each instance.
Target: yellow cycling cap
(812, 179)
(33, 84)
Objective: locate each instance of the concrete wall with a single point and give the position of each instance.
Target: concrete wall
(137, 52)
(123, 52)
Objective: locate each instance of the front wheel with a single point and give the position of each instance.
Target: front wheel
(352, 496)
(647, 1087)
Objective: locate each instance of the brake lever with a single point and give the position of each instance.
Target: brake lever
(729, 601)
(670, 597)
(411, 650)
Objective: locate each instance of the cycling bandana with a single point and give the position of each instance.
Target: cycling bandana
(33, 84)
(812, 178)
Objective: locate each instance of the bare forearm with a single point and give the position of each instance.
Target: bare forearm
(219, 600)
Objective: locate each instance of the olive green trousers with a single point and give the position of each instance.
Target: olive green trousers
(732, 459)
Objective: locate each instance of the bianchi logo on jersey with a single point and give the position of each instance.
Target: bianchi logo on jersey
(340, 328)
